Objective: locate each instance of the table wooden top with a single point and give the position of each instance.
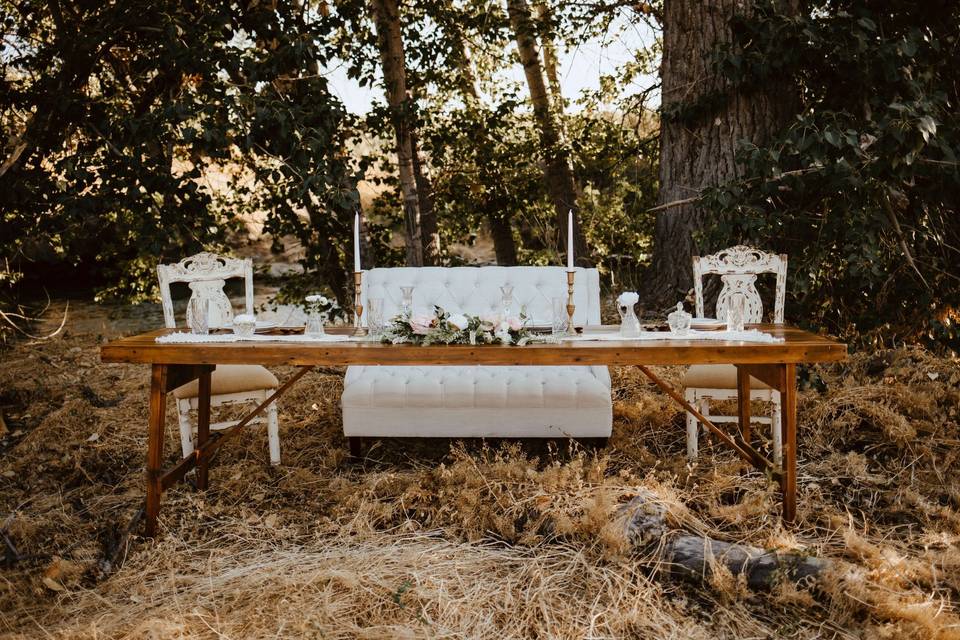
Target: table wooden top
(798, 346)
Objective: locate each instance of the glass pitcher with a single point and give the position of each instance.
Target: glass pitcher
(629, 322)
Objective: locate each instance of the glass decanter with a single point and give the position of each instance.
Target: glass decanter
(406, 300)
(506, 299)
(629, 323)
(679, 321)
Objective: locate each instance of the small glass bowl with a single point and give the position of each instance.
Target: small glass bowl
(244, 325)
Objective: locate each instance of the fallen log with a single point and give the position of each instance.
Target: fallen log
(694, 557)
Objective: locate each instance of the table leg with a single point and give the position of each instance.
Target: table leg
(788, 481)
(203, 429)
(158, 415)
(743, 402)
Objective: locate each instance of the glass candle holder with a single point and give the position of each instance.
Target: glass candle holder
(736, 311)
(198, 315)
(375, 320)
(558, 307)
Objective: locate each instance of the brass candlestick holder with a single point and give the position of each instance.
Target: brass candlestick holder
(570, 306)
(358, 329)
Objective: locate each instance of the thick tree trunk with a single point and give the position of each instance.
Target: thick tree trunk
(429, 230)
(697, 146)
(386, 15)
(557, 172)
(502, 234)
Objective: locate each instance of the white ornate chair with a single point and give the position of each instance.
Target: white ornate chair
(479, 401)
(738, 268)
(206, 274)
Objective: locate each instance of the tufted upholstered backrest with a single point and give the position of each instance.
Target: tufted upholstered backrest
(476, 290)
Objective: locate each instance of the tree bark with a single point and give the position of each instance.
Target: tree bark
(698, 146)
(557, 172)
(429, 229)
(386, 15)
(695, 557)
(549, 47)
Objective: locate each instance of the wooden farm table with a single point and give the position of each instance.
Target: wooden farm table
(175, 364)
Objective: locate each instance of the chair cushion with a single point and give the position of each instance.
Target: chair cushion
(716, 376)
(477, 401)
(231, 378)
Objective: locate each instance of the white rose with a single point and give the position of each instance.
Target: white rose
(628, 299)
(318, 298)
(459, 320)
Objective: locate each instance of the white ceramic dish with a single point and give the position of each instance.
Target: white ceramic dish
(707, 324)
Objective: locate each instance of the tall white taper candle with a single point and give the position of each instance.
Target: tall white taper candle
(356, 242)
(570, 241)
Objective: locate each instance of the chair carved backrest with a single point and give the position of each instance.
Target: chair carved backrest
(738, 268)
(206, 274)
(476, 290)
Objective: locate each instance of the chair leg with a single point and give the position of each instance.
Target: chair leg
(186, 427)
(704, 406)
(692, 429)
(775, 420)
(273, 433)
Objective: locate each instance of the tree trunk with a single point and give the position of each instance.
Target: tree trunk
(550, 64)
(697, 150)
(429, 230)
(502, 234)
(557, 172)
(386, 15)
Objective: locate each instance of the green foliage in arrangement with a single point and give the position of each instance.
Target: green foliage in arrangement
(862, 189)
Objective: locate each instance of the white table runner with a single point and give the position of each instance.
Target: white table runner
(749, 335)
(183, 337)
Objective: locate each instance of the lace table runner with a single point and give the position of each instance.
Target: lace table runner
(749, 335)
(183, 337)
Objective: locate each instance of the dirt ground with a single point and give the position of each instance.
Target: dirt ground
(446, 539)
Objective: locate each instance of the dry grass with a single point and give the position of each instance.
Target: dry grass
(442, 539)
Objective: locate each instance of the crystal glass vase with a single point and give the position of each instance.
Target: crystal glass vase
(629, 323)
(315, 321)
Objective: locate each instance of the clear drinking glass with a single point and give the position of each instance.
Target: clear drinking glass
(375, 320)
(406, 300)
(559, 309)
(506, 299)
(736, 311)
(198, 315)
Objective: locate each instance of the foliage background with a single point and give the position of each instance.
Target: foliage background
(113, 113)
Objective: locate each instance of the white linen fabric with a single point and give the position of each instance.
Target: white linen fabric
(749, 335)
(480, 401)
(184, 337)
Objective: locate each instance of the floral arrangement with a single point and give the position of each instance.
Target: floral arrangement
(318, 303)
(445, 328)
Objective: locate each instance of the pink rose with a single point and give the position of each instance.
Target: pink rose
(421, 325)
(515, 324)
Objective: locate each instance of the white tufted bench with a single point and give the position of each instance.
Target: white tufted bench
(480, 401)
